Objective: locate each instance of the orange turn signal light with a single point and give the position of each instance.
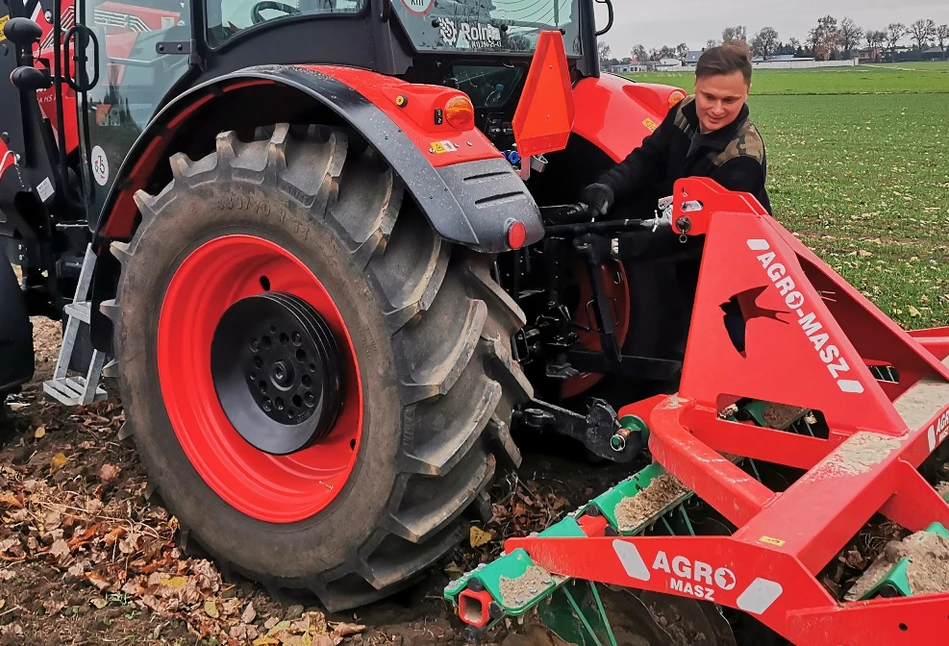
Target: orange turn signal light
(459, 113)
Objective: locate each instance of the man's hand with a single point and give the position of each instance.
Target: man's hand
(599, 197)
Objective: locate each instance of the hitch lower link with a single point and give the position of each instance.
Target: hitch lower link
(601, 431)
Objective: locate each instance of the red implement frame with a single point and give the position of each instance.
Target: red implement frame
(809, 339)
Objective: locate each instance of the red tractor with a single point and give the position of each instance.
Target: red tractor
(309, 242)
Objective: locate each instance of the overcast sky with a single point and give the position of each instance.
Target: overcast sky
(654, 24)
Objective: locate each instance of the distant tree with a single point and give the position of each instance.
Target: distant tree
(894, 34)
(794, 47)
(830, 36)
(682, 51)
(640, 54)
(921, 31)
(765, 43)
(875, 39)
(711, 43)
(942, 33)
(737, 34)
(603, 50)
(667, 52)
(849, 35)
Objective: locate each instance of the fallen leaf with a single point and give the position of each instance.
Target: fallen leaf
(249, 613)
(478, 537)
(454, 571)
(60, 549)
(243, 633)
(345, 630)
(6, 575)
(15, 406)
(265, 641)
(278, 627)
(108, 472)
(211, 608)
(75, 571)
(53, 606)
(913, 311)
(114, 535)
(270, 623)
(8, 499)
(3, 602)
(40, 432)
(59, 461)
(99, 603)
(96, 579)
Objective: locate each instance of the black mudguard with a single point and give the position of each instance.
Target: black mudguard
(16, 332)
(471, 203)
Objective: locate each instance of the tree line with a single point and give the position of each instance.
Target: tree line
(828, 40)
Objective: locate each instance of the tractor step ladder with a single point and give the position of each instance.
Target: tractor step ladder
(77, 390)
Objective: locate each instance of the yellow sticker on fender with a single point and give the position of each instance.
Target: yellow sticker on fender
(649, 123)
(771, 541)
(3, 21)
(439, 147)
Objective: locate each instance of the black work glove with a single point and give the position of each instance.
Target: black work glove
(599, 197)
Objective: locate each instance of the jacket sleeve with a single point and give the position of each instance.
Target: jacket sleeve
(645, 166)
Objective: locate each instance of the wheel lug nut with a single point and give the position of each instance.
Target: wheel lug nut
(254, 345)
(279, 403)
(297, 338)
(267, 406)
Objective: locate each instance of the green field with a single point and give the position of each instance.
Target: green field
(863, 179)
(904, 78)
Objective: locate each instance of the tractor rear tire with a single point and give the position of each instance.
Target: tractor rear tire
(424, 328)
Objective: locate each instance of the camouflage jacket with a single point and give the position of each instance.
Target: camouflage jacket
(733, 156)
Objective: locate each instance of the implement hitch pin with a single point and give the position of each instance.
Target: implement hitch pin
(629, 424)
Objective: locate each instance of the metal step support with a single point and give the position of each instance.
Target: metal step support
(77, 390)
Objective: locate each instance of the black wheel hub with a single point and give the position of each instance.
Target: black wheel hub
(277, 372)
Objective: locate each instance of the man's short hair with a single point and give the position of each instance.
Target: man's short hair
(725, 59)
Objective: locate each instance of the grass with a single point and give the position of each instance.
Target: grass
(864, 182)
(861, 175)
(903, 78)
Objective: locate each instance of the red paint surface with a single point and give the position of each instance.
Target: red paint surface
(611, 111)
(270, 488)
(417, 117)
(788, 538)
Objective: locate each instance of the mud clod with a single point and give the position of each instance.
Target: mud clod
(781, 416)
(518, 591)
(927, 571)
(660, 493)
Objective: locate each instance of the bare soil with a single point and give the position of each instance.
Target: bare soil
(518, 591)
(86, 558)
(659, 493)
(859, 453)
(781, 416)
(927, 571)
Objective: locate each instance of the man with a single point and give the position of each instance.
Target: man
(708, 134)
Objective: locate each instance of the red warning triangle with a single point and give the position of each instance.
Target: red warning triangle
(545, 114)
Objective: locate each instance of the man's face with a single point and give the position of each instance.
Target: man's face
(719, 99)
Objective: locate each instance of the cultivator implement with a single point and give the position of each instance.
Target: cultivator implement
(793, 429)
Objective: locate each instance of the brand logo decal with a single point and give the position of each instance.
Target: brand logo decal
(810, 324)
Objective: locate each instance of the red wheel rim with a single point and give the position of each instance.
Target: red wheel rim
(271, 488)
(618, 293)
